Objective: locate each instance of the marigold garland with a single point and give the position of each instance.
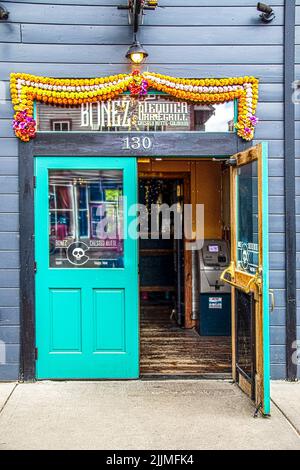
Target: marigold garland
(26, 88)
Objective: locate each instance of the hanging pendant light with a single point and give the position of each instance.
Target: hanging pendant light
(136, 53)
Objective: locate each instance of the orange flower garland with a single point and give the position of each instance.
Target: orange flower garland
(26, 88)
(244, 89)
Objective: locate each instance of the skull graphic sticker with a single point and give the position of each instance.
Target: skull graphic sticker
(76, 253)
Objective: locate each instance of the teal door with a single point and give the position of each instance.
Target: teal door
(87, 268)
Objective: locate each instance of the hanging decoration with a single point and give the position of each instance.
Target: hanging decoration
(138, 86)
(26, 88)
(24, 126)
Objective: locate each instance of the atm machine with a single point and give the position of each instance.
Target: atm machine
(215, 295)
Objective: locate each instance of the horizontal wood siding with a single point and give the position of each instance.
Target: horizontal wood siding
(188, 38)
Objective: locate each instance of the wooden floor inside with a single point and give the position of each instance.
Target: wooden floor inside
(168, 350)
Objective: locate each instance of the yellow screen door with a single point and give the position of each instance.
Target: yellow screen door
(248, 274)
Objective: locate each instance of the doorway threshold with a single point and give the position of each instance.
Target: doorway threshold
(212, 376)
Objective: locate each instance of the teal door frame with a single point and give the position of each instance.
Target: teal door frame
(266, 278)
(86, 317)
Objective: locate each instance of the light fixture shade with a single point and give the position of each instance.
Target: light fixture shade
(136, 53)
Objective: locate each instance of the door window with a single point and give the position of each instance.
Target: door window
(86, 218)
(247, 218)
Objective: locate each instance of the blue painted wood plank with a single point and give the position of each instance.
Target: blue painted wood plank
(9, 297)
(297, 129)
(162, 3)
(9, 223)
(193, 16)
(8, 165)
(276, 167)
(278, 354)
(9, 372)
(9, 277)
(280, 298)
(8, 148)
(9, 203)
(278, 371)
(9, 241)
(277, 242)
(276, 205)
(276, 186)
(160, 35)
(270, 111)
(275, 149)
(297, 186)
(6, 129)
(278, 316)
(10, 32)
(9, 316)
(277, 279)
(12, 353)
(9, 184)
(298, 223)
(276, 223)
(277, 335)
(297, 15)
(269, 130)
(6, 109)
(9, 260)
(277, 260)
(270, 92)
(65, 53)
(10, 334)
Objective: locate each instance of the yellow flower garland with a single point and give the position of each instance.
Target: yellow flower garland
(26, 88)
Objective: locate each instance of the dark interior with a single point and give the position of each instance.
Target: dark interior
(167, 347)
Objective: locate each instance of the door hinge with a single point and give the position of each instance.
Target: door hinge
(34, 182)
(35, 267)
(231, 162)
(36, 353)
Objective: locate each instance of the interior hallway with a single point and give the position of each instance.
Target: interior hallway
(169, 350)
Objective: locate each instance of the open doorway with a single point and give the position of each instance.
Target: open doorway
(185, 309)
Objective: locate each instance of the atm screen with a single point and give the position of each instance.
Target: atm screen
(214, 248)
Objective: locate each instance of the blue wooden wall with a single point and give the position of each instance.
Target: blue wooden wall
(189, 38)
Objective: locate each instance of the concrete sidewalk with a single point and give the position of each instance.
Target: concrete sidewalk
(138, 415)
(286, 396)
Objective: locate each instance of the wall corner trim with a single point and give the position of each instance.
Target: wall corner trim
(289, 178)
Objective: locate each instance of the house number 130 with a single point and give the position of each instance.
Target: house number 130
(137, 143)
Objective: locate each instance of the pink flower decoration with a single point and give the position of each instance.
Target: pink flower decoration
(253, 120)
(24, 126)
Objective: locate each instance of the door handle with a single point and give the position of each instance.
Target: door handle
(231, 271)
(256, 280)
(271, 293)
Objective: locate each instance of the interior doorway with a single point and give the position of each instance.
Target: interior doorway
(185, 309)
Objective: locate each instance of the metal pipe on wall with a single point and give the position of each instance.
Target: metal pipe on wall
(195, 285)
